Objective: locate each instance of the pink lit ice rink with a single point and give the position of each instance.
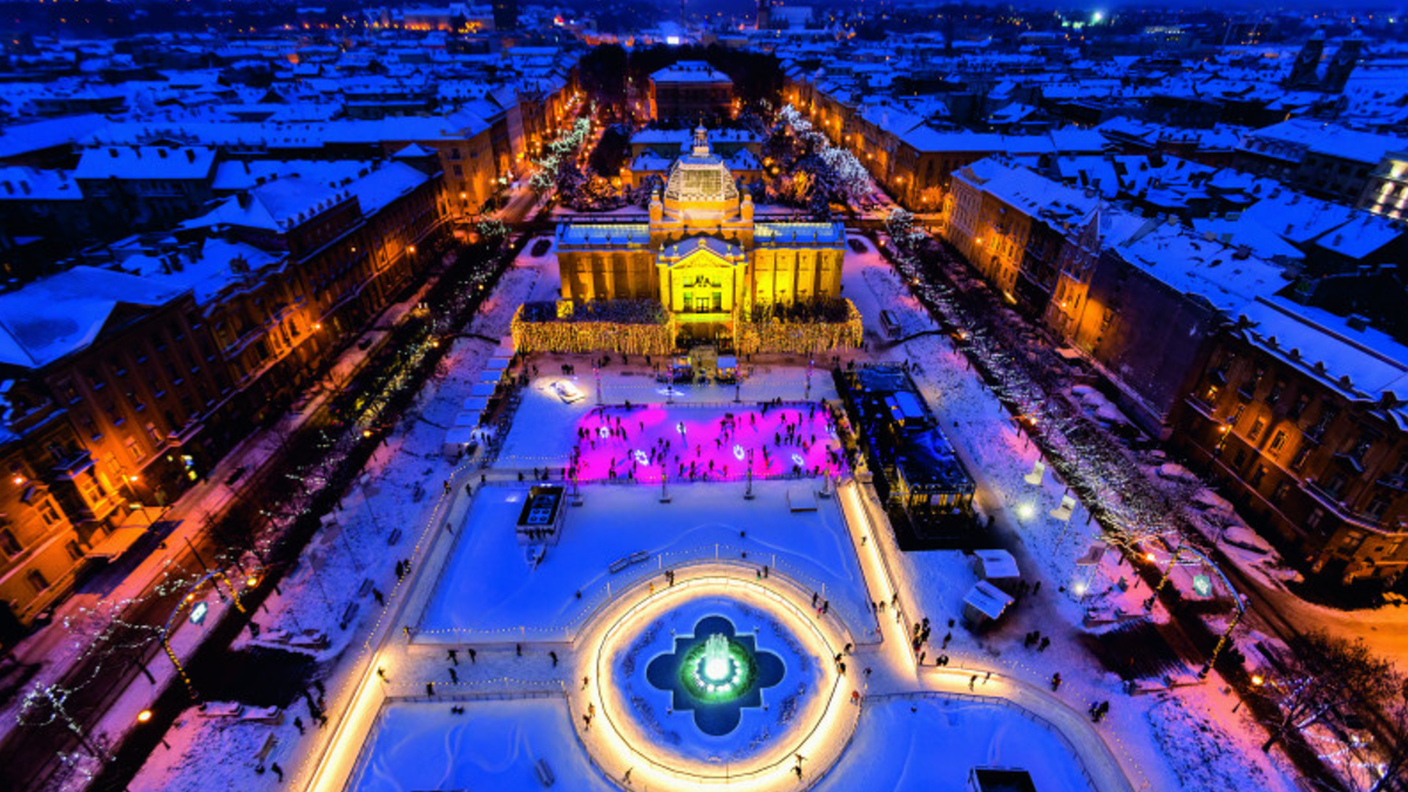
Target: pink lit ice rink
(714, 445)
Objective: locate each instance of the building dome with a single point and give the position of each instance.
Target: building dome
(700, 178)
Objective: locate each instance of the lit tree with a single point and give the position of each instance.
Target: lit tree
(1323, 680)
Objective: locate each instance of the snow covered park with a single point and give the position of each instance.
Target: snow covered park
(478, 586)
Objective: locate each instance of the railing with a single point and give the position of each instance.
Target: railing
(834, 700)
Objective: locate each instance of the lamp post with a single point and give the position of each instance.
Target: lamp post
(145, 717)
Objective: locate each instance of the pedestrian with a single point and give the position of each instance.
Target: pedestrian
(400, 571)
(378, 596)
(381, 672)
(841, 667)
(429, 688)
(973, 681)
(1036, 587)
(454, 677)
(278, 771)
(987, 677)
(553, 655)
(855, 696)
(826, 606)
(815, 597)
(584, 683)
(586, 722)
(921, 658)
(626, 777)
(847, 650)
(472, 654)
(867, 672)
(1045, 642)
(1055, 681)
(948, 636)
(518, 650)
(298, 724)
(454, 657)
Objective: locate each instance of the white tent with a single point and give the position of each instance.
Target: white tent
(984, 603)
(998, 567)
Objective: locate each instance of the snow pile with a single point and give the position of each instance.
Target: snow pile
(1202, 754)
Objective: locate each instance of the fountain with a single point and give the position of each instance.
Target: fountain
(716, 673)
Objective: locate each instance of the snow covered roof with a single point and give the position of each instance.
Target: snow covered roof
(32, 184)
(690, 71)
(385, 184)
(23, 139)
(273, 206)
(61, 314)
(145, 162)
(718, 247)
(1226, 278)
(593, 234)
(207, 271)
(1362, 363)
(234, 175)
(1329, 139)
(833, 233)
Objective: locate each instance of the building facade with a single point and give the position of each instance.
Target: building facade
(702, 254)
(1298, 415)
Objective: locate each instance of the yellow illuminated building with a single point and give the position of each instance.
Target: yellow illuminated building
(702, 255)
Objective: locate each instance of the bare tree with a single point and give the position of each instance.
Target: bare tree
(1323, 681)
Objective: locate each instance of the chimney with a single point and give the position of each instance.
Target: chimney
(246, 200)
(161, 153)
(191, 155)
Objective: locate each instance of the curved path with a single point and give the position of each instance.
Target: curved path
(609, 744)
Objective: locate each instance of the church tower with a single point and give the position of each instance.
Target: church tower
(1342, 65)
(1303, 71)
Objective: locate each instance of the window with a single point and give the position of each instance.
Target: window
(37, 581)
(9, 545)
(1255, 432)
(1360, 448)
(1301, 403)
(1376, 508)
(1282, 490)
(1278, 441)
(1239, 457)
(1335, 485)
(75, 550)
(1299, 461)
(1210, 395)
(1257, 476)
(47, 513)
(1276, 391)
(1313, 521)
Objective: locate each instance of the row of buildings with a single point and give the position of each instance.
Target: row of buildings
(1301, 414)
(1216, 234)
(181, 264)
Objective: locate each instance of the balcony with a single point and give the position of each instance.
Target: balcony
(76, 462)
